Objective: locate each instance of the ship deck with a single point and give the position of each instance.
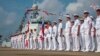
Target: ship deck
(20, 52)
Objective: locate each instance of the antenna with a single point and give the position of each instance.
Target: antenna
(35, 1)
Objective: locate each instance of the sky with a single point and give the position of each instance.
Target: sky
(12, 11)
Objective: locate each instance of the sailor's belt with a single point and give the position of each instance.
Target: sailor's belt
(66, 31)
(92, 31)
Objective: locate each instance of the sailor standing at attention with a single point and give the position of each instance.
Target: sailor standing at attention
(49, 35)
(97, 26)
(87, 28)
(93, 34)
(40, 39)
(35, 39)
(26, 40)
(23, 40)
(76, 27)
(45, 37)
(72, 35)
(54, 35)
(82, 39)
(12, 43)
(68, 33)
(60, 35)
(31, 39)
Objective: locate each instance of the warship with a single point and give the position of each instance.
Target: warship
(34, 19)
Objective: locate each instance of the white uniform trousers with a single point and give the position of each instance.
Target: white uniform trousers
(92, 42)
(23, 43)
(87, 42)
(82, 42)
(40, 41)
(98, 40)
(49, 43)
(34, 43)
(68, 42)
(31, 43)
(76, 46)
(60, 42)
(45, 43)
(54, 43)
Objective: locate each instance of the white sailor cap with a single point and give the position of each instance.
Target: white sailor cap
(76, 15)
(60, 19)
(86, 12)
(98, 9)
(67, 15)
(54, 22)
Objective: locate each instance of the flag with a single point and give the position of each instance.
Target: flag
(28, 26)
(94, 6)
(48, 13)
(42, 28)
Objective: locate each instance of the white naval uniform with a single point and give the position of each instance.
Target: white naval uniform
(16, 41)
(20, 41)
(23, 41)
(49, 38)
(82, 39)
(54, 35)
(45, 38)
(40, 40)
(92, 38)
(67, 36)
(27, 41)
(31, 40)
(12, 42)
(87, 23)
(34, 40)
(60, 37)
(76, 45)
(97, 26)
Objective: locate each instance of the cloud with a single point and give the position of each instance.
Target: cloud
(53, 6)
(6, 18)
(10, 18)
(80, 5)
(73, 7)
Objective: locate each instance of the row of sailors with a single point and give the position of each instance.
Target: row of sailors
(80, 35)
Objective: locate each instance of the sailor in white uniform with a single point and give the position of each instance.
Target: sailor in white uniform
(49, 36)
(87, 28)
(23, 40)
(12, 42)
(93, 35)
(68, 33)
(54, 36)
(82, 39)
(60, 35)
(97, 26)
(72, 35)
(76, 27)
(16, 41)
(35, 39)
(45, 37)
(26, 40)
(31, 39)
(20, 41)
(40, 39)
